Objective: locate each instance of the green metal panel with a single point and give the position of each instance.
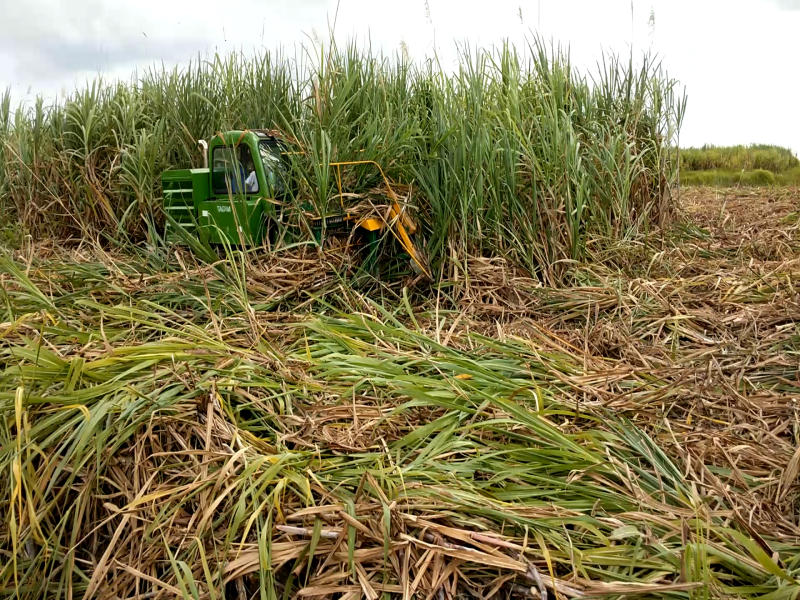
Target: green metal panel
(179, 202)
(234, 220)
(201, 189)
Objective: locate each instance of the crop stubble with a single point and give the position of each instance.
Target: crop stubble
(185, 433)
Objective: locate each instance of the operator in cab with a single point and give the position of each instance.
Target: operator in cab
(251, 182)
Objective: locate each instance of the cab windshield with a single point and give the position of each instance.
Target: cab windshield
(274, 169)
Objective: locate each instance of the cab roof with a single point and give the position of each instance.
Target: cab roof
(238, 136)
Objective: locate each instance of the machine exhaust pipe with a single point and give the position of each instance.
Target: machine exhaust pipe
(204, 145)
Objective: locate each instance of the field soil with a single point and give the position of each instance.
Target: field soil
(186, 433)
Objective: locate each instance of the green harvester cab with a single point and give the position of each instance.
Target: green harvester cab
(230, 199)
(235, 198)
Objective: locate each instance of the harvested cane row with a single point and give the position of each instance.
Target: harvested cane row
(180, 435)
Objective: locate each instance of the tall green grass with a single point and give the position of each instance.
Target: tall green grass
(775, 159)
(755, 178)
(512, 151)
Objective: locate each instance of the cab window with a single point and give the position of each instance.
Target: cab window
(274, 169)
(233, 170)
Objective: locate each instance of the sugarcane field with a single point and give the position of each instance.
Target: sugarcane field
(344, 324)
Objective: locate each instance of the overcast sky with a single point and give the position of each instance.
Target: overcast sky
(737, 58)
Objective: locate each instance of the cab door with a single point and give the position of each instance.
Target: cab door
(234, 213)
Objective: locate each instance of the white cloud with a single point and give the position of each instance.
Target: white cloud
(788, 4)
(47, 40)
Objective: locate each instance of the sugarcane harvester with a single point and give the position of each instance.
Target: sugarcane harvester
(243, 190)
